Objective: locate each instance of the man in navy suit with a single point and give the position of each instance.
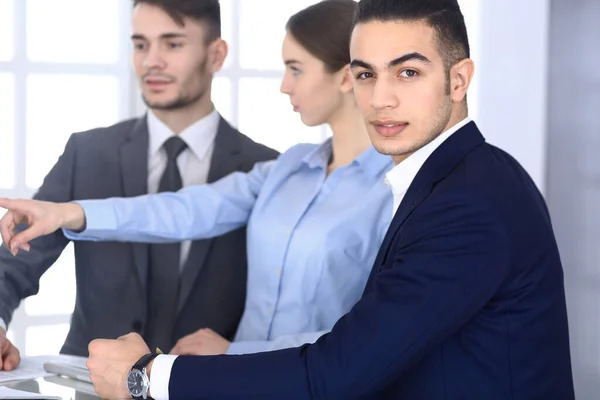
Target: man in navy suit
(466, 297)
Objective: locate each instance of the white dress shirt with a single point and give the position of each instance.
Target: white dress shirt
(399, 179)
(193, 162)
(402, 175)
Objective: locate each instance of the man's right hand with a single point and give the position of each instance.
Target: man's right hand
(9, 355)
(42, 217)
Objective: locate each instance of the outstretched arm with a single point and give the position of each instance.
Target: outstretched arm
(192, 213)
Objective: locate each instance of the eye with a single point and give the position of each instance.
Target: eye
(174, 45)
(139, 46)
(364, 75)
(409, 73)
(295, 71)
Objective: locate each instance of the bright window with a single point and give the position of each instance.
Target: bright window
(6, 30)
(59, 74)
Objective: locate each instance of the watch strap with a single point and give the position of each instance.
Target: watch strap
(144, 361)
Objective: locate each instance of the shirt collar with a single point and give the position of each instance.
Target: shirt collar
(369, 160)
(198, 136)
(402, 175)
(320, 156)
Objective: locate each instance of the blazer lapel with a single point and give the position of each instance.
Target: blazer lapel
(436, 167)
(134, 169)
(223, 162)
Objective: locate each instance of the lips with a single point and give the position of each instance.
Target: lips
(389, 128)
(156, 84)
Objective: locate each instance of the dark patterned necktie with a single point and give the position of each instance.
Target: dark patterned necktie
(163, 274)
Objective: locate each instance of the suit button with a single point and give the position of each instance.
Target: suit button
(137, 325)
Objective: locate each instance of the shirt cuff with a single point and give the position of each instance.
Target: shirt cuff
(98, 218)
(3, 324)
(160, 376)
(247, 347)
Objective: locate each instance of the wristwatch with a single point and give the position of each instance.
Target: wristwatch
(138, 382)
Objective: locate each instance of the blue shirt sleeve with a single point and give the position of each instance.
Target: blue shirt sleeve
(194, 212)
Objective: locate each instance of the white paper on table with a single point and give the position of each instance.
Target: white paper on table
(29, 368)
(32, 367)
(8, 393)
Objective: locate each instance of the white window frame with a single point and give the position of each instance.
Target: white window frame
(20, 67)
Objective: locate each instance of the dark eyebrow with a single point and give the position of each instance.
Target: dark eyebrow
(409, 57)
(394, 63)
(171, 35)
(360, 64)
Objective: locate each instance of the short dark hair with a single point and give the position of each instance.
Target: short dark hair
(444, 16)
(324, 30)
(207, 11)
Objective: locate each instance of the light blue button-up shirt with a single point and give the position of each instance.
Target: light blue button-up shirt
(312, 238)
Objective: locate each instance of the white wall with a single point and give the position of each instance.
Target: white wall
(512, 80)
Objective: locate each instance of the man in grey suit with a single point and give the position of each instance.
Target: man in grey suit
(164, 292)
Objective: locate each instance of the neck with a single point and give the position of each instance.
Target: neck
(457, 115)
(179, 119)
(350, 137)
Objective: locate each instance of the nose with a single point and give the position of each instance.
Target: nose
(384, 95)
(153, 58)
(286, 87)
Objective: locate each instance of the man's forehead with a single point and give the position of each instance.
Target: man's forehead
(383, 41)
(148, 15)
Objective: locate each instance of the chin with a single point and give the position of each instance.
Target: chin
(389, 148)
(158, 102)
(307, 121)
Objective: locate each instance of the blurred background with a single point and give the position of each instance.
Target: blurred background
(65, 67)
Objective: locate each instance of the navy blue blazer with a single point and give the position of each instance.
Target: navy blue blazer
(465, 301)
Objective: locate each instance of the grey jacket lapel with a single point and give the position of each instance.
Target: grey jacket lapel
(134, 170)
(224, 161)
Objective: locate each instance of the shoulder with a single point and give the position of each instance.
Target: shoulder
(299, 151)
(290, 160)
(249, 148)
(454, 210)
(108, 134)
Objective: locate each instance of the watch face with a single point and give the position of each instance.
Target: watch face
(135, 383)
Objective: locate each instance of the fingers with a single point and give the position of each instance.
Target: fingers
(6, 353)
(182, 344)
(182, 349)
(129, 336)
(21, 240)
(191, 344)
(95, 345)
(9, 204)
(177, 348)
(12, 358)
(7, 227)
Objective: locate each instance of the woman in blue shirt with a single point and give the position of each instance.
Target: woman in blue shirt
(315, 216)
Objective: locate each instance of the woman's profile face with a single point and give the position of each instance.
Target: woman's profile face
(314, 92)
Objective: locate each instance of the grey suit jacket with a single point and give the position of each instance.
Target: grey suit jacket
(112, 277)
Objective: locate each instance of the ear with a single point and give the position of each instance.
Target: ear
(217, 52)
(461, 75)
(345, 76)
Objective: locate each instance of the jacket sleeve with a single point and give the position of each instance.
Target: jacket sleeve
(20, 275)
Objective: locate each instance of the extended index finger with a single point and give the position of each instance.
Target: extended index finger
(13, 204)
